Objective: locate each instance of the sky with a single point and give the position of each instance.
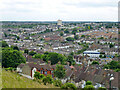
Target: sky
(52, 10)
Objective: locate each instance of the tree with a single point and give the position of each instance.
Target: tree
(37, 75)
(61, 34)
(88, 83)
(70, 39)
(83, 36)
(48, 79)
(76, 37)
(69, 86)
(12, 58)
(4, 44)
(14, 47)
(58, 83)
(72, 53)
(38, 56)
(66, 31)
(54, 57)
(100, 55)
(70, 59)
(95, 62)
(26, 51)
(32, 53)
(59, 71)
(111, 45)
(5, 34)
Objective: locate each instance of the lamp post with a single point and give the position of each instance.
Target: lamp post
(112, 78)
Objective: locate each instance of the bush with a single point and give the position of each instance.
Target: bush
(70, 39)
(88, 83)
(69, 86)
(89, 87)
(58, 83)
(32, 53)
(37, 75)
(10, 69)
(102, 88)
(47, 79)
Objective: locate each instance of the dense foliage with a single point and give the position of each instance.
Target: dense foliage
(54, 57)
(11, 58)
(59, 72)
(70, 39)
(115, 65)
(69, 86)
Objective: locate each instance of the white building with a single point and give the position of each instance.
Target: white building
(92, 53)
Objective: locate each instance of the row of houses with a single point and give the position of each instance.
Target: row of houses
(77, 75)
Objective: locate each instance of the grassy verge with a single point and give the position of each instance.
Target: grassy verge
(14, 80)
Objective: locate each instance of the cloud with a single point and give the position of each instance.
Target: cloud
(59, 9)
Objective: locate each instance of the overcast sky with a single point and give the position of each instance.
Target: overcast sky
(66, 10)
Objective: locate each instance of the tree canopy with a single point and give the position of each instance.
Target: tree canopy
(59, 71)
(12, 58)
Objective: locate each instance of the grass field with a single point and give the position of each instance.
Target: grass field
(14, 80)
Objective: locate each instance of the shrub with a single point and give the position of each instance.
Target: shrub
(89, 87)
(69, 86)
(58, 83)
(88, 83)
(102, 88)
(47, 79)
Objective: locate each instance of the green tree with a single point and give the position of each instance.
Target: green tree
(88, 83)
(12, 58)
(76, 37)
(111, 45)
(70, 39)
(48, 79)
(58, 83)
(26, 51)
(54, 57)
(14, 47)
(5, 34)
(59, 71)
(38, 56)
(4, 44)
(32, 53)
(70, 59)
(37, 75)
(83, 36)
(95, 62)
(72, 54)
(66, 31)
(61, 34)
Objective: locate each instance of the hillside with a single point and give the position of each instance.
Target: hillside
(13, 80)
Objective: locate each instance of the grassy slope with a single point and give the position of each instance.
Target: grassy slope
(13, 80)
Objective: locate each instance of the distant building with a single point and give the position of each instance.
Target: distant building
(59, 22)
(92, 53)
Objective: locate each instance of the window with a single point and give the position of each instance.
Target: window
(41, 72)
(45, 72)
(51, 71)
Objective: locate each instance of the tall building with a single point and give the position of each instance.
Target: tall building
(59, 22)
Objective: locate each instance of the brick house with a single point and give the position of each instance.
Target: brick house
(30, 69)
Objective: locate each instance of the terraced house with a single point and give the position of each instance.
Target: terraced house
(29, 69)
